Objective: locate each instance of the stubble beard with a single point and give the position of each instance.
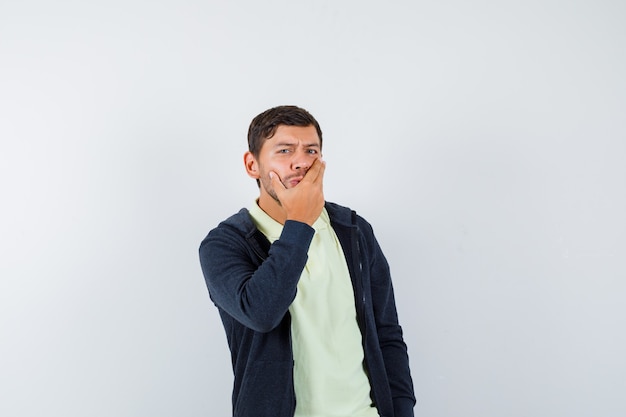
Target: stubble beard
(266, 183)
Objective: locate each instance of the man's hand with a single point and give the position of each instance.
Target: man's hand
(303, 202)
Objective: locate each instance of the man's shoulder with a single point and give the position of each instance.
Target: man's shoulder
(344, 215)
(239, 219)
(239, 223)
(347, 217)
(242, 224)
(339, 213)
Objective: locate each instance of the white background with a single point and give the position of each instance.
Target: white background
(484, 140)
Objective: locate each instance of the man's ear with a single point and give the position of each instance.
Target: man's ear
(252, 166)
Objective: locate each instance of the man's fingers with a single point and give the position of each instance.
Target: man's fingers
(316, 172)
(320, 175)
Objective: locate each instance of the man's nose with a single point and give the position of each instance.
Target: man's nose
(302, 161)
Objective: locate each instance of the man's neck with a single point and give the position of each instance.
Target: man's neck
(272, 208)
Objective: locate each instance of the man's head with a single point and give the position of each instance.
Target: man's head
(285, 141)
(265, 124)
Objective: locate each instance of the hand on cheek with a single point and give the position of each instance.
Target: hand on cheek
(305, 201)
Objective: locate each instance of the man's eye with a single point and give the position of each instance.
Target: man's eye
(283, 151)
(312, 151)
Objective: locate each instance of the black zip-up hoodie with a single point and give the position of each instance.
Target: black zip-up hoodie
(253, 283)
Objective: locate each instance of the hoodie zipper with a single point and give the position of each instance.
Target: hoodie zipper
(358, 270)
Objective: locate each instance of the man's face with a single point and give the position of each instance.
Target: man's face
(289, 153)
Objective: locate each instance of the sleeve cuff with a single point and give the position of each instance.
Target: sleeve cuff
(298, 233)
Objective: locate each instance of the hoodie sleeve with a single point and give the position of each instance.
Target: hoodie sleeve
(254, 291)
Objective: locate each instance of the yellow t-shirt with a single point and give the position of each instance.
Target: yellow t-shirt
(329, 375)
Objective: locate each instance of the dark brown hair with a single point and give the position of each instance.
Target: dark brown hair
(265, 124)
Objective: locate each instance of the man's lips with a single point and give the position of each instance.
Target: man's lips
(293, 181)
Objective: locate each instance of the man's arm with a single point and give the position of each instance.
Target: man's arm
(259, 295)
(256, 296)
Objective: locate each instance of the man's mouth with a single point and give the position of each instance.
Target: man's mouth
(292, 182)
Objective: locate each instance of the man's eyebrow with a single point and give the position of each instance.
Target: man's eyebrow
(279, 144)
(294, 143)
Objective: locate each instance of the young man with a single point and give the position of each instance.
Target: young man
(303, 289)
